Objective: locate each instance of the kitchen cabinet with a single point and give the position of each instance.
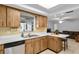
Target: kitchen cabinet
(13, 17)
(32, 46)
(77, 38)
(39, 44)
(1, 49)
(41, 21)
(55, 44)
(58, 43)
(43, 43)
(29, 46)
(2, 16)
(36, 45)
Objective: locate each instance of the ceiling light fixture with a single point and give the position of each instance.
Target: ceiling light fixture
(47, 5)
(61, 22)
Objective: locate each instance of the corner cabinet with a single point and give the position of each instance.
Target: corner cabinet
(55, 44)
(13, 17)
(2, 16)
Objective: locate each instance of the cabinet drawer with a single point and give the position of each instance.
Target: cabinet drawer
(1, 47)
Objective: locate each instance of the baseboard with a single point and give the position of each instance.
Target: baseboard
(53, 51)
(41, 51)
(48, 49)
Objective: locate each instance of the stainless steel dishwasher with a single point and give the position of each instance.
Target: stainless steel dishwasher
(15, 47)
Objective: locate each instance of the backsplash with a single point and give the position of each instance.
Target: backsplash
(41, 29)
(8, 31)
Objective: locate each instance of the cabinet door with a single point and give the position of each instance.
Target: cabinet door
(41, 21)
(55, 44)
(2, 16)
(45, 21)
(50, 42)
(28, 47)
(58, 44)
(13, 17)
(43, 43)
(1, 52)
(36, 44)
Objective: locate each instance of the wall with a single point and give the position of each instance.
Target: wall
(70, 25)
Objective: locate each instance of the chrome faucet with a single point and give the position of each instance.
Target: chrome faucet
(22, 33)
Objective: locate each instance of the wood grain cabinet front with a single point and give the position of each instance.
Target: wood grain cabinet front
(41, 21)
(36, 45)
(32, 46)
(13, 17)
(58, 44)
(1, 52)
(29, 47)
(3, 16)
(1, 49)
(43, 43)
(55, 44)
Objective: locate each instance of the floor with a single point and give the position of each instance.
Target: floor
(73, 48)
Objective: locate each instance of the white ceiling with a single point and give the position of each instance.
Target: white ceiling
(58, 10)
(53, 10)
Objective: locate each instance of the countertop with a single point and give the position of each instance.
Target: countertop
(14, 38)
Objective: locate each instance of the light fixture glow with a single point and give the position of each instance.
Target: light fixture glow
(47, 5)
(61, 22)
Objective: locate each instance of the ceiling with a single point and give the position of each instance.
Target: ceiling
(58, 10)
(53, 11)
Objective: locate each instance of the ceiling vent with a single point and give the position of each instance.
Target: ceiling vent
(69, 11)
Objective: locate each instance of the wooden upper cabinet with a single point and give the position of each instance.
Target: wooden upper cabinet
(2, 16)
(13, 17)
(41, 21)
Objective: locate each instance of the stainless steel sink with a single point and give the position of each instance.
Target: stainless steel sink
(30, 36)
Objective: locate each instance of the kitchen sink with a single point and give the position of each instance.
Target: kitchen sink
(30, 36)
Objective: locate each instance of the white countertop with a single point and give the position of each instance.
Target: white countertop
(14, 38)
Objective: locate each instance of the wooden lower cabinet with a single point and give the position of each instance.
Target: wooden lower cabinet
(55, 44)
(29, 46)
(43, 43)
(1, 52)
(1, 49)
(77, 38)
(32, 46)
(36, 45)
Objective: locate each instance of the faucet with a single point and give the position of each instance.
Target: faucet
(29, 34)
(22, 33)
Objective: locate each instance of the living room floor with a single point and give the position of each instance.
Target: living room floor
(73, 48)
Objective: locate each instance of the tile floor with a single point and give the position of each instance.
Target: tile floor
(73, 48)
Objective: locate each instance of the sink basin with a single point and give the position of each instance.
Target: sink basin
(30, 36)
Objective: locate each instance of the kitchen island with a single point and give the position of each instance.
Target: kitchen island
(36, 44)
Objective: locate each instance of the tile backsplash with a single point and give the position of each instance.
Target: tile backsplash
(8, 31)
